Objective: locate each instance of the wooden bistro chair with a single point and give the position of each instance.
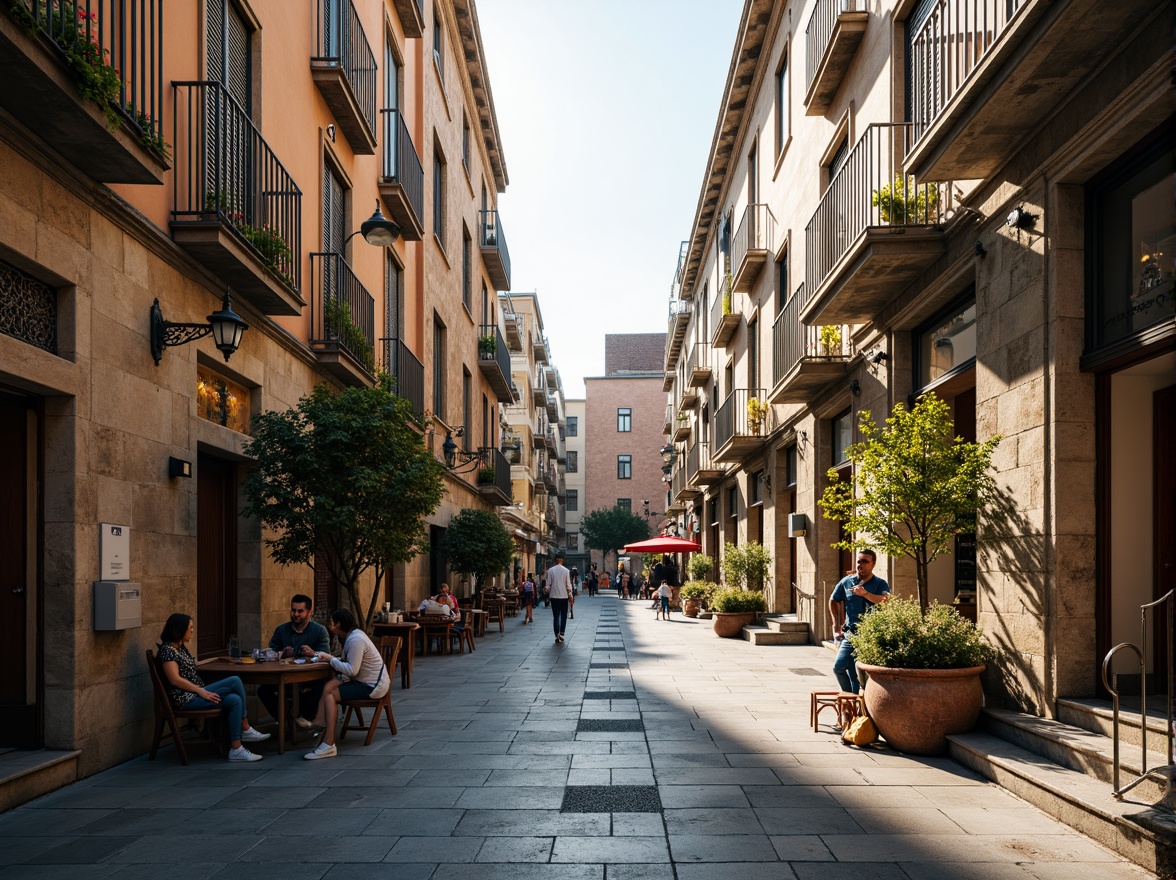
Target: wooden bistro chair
(464, 636)
(389, 649)
(167, 714)
(496, 610)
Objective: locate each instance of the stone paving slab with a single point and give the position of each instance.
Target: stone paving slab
(495, 748)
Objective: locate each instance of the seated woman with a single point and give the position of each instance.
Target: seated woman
(361, 664)
(187, 689)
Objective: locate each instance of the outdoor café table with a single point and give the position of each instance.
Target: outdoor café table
(406, 632)
(434, 626)
(477, 618)
(277, 672)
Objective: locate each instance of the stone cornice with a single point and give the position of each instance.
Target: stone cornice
(475, 62)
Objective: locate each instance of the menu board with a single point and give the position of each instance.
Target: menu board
(965, 567)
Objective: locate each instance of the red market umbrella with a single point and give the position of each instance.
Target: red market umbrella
(663, 544)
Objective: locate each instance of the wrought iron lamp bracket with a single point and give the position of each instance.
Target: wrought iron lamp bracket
(169, 333)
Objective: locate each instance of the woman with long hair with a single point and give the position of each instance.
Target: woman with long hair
(366, 678)
(527, 596)
(187, 689)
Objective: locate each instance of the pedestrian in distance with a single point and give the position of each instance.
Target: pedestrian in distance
(663, 599)
(575, 577)
(558, 584)
(528, 597)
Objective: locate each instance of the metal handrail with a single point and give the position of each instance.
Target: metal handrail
(401, 162)
(819, 32)
(756, 232)
(1141, 653)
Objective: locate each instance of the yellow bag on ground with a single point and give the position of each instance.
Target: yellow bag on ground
(860, 732)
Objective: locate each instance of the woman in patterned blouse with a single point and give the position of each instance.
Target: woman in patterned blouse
(188, 691)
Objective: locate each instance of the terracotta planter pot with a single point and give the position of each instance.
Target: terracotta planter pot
(916, 709)
(691, 607)
(729, 624)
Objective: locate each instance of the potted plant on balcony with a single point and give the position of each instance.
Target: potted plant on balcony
(830, 337)
(757, 412)
(487, 347)
(905, 202)
(727, 286)
(486, 476)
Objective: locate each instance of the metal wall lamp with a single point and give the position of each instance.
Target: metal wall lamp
(458, 460)
(377, 229)
(226, 328)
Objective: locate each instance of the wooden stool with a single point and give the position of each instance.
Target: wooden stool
(849, 707)
(818, 702)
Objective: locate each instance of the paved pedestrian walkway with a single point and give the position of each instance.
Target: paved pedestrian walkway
(637, 750)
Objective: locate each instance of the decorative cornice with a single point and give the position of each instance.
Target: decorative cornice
(475, 61)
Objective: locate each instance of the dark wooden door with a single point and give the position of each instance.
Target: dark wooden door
(790, 506)
(216, 562)
(18, 686)
(1164, 541)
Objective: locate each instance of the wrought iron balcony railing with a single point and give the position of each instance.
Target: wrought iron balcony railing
(119, 42)
(492, 241)
(402, 165)
(340, 42)
(494, 472)
(225, 171)
(870, 190)
(947, 47)
(820, 29)
(738, 417)
(755, 239)
(792, 340)
(342, 311)
(407, 372)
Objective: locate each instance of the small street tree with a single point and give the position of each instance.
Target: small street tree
(477, 543)
(343, 475)
(917, 485)
(747, 566)
(608, 529)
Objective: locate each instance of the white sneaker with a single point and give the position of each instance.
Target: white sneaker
(253, 735)
(303, 723)
(322, 751)
(243, 755)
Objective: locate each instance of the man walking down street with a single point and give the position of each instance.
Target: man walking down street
(854, 596)
(559, 592)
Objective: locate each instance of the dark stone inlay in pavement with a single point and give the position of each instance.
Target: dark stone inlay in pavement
(610, 725)
(611, 799)
(608, 665)
(610, 695)
(608, 648)
(806, 671)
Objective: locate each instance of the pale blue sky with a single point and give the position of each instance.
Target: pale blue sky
(606, 110)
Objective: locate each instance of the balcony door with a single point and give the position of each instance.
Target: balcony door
(228, 145)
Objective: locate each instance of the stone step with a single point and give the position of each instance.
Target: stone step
(27, 774)
(1076, 749)
(762, 635)
(1097, 716)
(1142, 833)
(787, 624)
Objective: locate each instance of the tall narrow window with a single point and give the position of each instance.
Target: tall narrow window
(624, 419)
(781, 283)
(753, 356)
(439, 368)
(393, 316)
(624, 467)
(466, 268)
(573, 427)
(842, 431)
(391, 78)
(438, 44)
(782, 126)
(439, 196)
(466, 421)
(573, 461)
(334, 211)
(465, 140)
(230, 56)
(839, 158)
(572, 500)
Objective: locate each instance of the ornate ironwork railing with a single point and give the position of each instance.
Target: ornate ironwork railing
(28, 308)
(340, 42)
(224, 170)
(342, 310)
(123, 38)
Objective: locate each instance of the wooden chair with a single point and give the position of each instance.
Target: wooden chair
(818, 702)
(167, 714)
(496, 611)
(464, 636)
(389, 649)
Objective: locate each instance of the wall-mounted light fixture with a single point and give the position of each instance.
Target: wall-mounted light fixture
(766, 479)
(331, 132)
(978, 249)
(1019, 218)
(669, 455)
(877, 357)
(178, 467)
(855, 387)
(226, 328)
(458, 460)
(377, 229)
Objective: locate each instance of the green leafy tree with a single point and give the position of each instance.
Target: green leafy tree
(917, 485)
(343, 475)
(608, 529)
(477, 543)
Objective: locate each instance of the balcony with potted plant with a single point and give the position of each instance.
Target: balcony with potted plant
(806, 359)
(680, 312)
(236, 209)
(726, 317)
(494, 361)
(874, 231)
(342, 321)
(742, 422)
(493, 476)
(402, 178)
(831, 39)
(87, 77)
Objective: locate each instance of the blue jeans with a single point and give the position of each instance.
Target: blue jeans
(232, 703)
(559, 615)
(845, 668)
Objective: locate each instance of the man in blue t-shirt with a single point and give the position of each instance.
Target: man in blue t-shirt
(854, 596)
(301, 637)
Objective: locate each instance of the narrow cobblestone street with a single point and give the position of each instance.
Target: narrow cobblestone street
(637, 750)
